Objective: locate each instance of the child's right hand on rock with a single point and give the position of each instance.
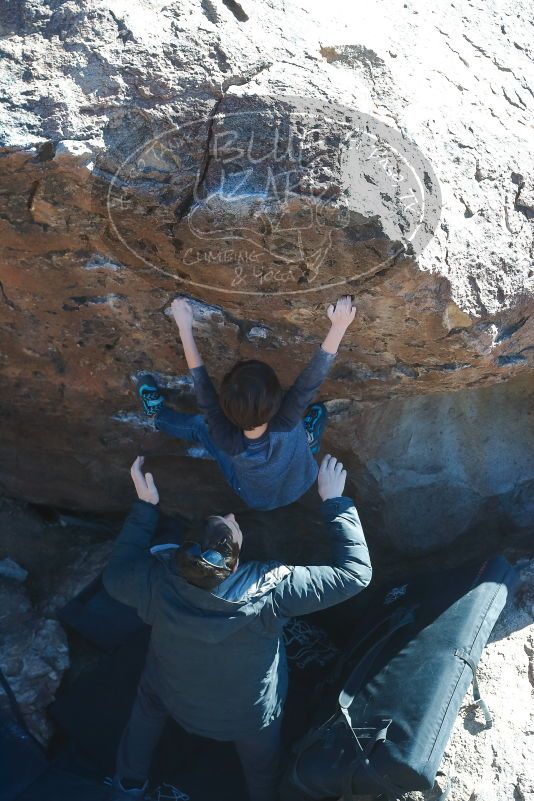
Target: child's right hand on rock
(342, 313)
(182, 312)
(341, 316)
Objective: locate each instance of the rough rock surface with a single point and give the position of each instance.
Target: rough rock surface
(116, 123)
(45, 565)
(33, 656)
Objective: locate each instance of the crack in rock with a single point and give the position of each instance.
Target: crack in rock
(125, 34)
(237, 10)
(186, 205)
(6, 299)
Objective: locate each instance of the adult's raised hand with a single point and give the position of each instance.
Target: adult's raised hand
(144, 482)
(331, 479)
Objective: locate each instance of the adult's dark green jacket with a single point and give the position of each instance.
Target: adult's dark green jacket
(218, 658)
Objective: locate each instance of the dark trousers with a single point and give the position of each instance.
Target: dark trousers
(259, 754)
(193, 428)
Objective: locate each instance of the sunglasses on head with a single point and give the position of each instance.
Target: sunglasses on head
(210, 557)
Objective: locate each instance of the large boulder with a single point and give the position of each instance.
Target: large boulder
(263, 159)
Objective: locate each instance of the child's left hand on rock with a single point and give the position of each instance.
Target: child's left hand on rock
(182, 312)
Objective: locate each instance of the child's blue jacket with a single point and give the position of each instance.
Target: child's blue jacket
(277, 468)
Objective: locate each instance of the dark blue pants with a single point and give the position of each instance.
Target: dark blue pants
(193, 428)
(259, 754)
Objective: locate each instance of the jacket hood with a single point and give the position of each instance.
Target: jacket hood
(212, 616)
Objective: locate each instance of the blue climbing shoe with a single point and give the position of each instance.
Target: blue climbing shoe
(150, 395)
(314, 423)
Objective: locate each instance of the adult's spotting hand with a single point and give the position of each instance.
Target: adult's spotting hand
(331, 479)
(144, 483)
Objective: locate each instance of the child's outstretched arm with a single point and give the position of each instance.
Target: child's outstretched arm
(183, 316)
(224, 434)
(341, 316)
(301, 394)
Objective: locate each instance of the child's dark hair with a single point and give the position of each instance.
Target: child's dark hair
(250, 394)
(210, 534)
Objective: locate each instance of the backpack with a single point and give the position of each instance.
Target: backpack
(26, 773)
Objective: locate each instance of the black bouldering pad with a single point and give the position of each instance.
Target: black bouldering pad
(99, 618)
(61, 785)
(92, 713)
(27, 774)
(397, 689)
(22, 760)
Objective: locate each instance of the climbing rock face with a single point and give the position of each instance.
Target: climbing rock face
(264, 159)
(44, 564)
(33, 657)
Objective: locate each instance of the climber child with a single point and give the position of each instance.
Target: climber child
(256, 434)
